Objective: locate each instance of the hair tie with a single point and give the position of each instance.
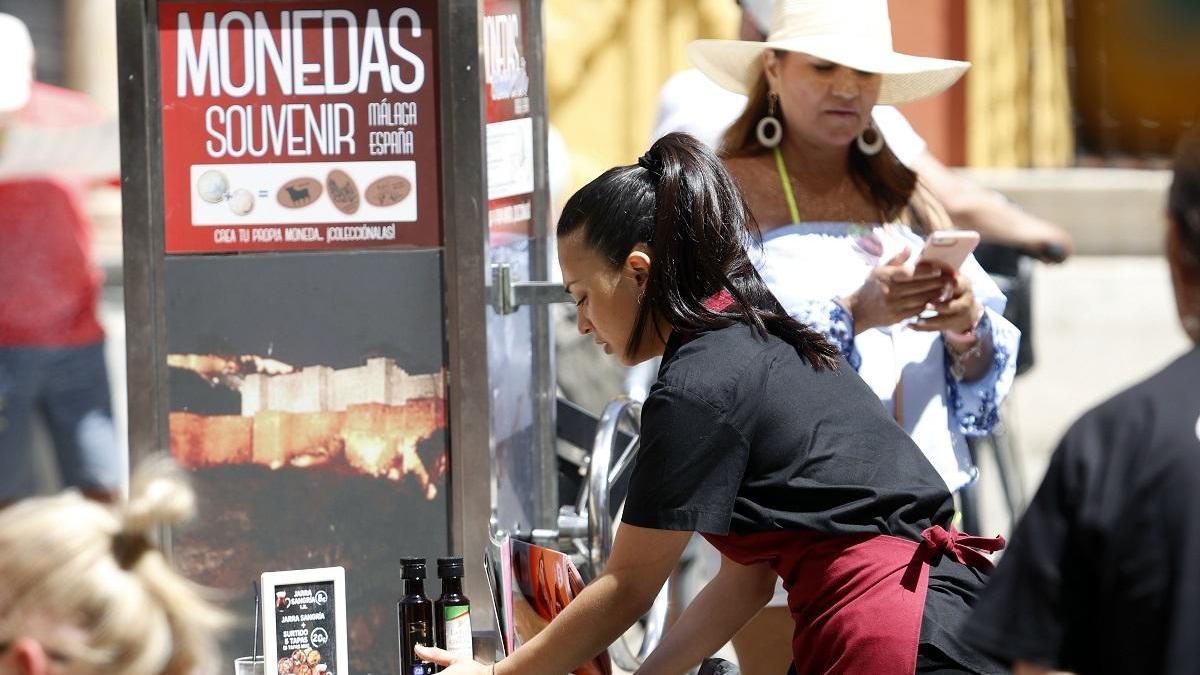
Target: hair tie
(129, 547)
(651, 162)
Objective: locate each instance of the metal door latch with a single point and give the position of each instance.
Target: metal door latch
(507, 295)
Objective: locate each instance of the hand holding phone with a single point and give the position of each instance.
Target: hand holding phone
(894, 291)
(948, 249)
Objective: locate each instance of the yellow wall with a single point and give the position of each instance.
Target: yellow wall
(1018, 92)
(605, 62)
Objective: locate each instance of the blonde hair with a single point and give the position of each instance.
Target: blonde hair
(67, 561)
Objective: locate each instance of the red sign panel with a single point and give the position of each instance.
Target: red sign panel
(510, 159)
(299, 125)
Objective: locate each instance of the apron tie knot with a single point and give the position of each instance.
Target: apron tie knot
(937, 541)
(966, 549)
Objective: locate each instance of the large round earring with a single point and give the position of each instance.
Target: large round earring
(870, 140)
(1191, 326)
(769, 130)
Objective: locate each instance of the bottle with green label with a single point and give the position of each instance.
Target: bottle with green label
(453, 611)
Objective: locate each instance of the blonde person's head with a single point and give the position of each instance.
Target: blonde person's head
(83, 589)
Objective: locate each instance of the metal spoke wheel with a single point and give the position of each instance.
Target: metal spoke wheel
(612, 457)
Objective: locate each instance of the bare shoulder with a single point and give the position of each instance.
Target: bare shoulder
(743, 167)
(759, 184)
(749, 171)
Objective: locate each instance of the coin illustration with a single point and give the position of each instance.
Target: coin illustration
(241, 201)
(212, 186)
(299, 192)
(387, 191)
(342, 191)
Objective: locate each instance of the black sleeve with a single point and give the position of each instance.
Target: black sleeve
(689, 467)
(1029, 608)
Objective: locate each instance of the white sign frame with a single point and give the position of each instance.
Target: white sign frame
(272, 580)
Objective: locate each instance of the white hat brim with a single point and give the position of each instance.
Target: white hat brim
(737, 64)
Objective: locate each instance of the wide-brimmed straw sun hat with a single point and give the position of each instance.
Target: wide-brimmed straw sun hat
(853, 33)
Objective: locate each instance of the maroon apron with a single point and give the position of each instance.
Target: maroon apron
(857, 599)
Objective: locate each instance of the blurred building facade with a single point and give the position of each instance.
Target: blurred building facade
(607, 59)
(1135, 74)
(1054, 82)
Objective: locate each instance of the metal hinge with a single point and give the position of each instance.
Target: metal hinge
(507, 295)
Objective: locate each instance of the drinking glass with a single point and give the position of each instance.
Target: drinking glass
(248, 665)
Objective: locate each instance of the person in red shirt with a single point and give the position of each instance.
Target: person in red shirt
(51, 343)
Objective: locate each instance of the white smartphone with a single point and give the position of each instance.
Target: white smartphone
(948, 249)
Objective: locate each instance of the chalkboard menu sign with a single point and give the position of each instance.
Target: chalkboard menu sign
(304, 620)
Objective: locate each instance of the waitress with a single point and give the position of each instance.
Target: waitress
(759, 436)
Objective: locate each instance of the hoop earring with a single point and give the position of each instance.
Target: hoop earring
(1191, 326)
(870, 140)
(769, 131)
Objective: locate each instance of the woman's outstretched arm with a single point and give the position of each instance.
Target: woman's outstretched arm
(640, 563)
(727, 602)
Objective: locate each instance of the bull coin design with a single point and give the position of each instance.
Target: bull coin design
(299, 192)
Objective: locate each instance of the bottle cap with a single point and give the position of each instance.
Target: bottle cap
(412, 568)
(450, 567)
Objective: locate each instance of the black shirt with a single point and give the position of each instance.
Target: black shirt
(740, 434)
(1103, 572)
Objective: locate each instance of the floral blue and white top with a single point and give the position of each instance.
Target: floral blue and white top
(809, 265)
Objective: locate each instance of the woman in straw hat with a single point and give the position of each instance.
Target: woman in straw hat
(843, 222)
(758, 435)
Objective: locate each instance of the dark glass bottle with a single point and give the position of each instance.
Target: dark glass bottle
(453, 611)
(415, 613)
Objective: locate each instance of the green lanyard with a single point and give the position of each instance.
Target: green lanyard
(787, 185)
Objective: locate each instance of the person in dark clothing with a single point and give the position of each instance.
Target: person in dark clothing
(1103, 575)
(758, 435)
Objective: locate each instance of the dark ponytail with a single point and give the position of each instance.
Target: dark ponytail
(680, 202)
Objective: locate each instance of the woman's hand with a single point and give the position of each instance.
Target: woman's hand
(894, 292)
(456, 666)
(641, 560)
(957, 317)
(957, 314)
